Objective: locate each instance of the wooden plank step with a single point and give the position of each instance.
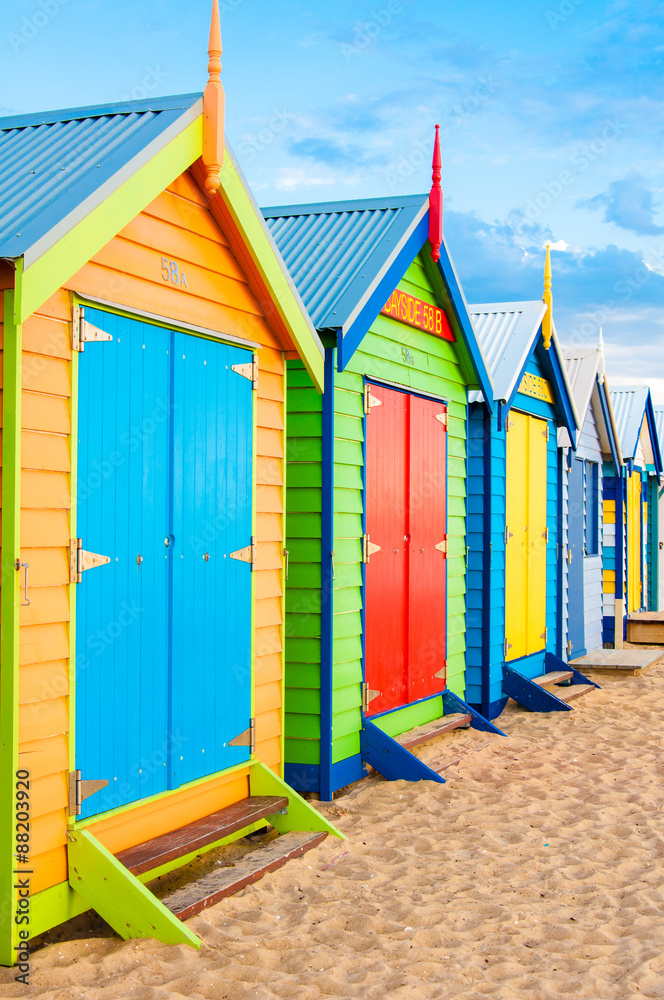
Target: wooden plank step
(574, 691)
(646, 627)
(553, 677)
(430, 730)
(199, 834)
(617, 659)
(211, 888)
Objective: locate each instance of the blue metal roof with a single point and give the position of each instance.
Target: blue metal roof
(334, 250)
(347, 257)
(56, 166)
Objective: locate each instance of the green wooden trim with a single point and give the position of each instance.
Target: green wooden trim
(300, 816)
(118, 897)
(249, 223)
(50, 271)
(284, 544)
(53, 906)
(9, 611)
(73, 493)
(404, 719)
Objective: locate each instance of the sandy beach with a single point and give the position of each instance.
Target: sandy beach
(536, 870)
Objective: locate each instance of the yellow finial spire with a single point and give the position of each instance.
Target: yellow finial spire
(547, 322)
(213, 108)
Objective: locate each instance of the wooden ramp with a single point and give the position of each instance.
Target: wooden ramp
(646, 626)
(627, 661)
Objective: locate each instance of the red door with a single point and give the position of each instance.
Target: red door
(405, 593)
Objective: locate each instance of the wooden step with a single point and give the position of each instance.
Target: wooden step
(429, 731)
(553, 677)
(199, 834)
(574, 691)
(211, 888)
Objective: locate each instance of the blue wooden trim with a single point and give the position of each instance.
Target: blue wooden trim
(604, 403)
(553, 663)
(327, 592)
(390, 759)
(531, 696)
(463, 319)
(495, 708)
(621, 500)
(408, 704)
(306, 777)
(487, 457)
(302, 777)
(356, 332)
(452, 703)
(654, 437)
(564, 399)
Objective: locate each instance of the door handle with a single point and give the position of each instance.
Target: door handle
(26, 567)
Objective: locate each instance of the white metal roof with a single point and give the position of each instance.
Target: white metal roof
(629, 405)
(585, 371)
(505, 331)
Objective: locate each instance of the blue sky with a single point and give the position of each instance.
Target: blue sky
(551, 114)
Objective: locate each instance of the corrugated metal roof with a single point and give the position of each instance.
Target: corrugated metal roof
(335, 250)
(582, 368)
(659, 423)
(629, 404)
(506, 331)
(52, 163)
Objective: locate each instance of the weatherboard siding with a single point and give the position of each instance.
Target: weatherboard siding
(127, 271)
(436, 371)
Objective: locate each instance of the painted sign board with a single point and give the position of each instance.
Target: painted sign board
(415, 312)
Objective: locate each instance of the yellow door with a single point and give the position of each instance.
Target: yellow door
(525, 551)
(634, 542)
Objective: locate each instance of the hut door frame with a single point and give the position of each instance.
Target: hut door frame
(173, 741)
(634, 541)
(526, 484)
(576, 506)
(412, 536)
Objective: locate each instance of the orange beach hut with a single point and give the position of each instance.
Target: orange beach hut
(146, 321)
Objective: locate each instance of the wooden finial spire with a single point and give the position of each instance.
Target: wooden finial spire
(436, 201)
(213, 108)
(547, 322)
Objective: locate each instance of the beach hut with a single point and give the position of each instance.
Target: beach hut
(659, 421)
(583, 538)
(514, 620)
(146, 319)
(632, 495)
(376, 495)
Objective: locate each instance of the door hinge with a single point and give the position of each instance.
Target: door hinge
(247, 554)
(248, 370)
(79, 790)
(508, 423)
(442, 674)
(80, 560)
(569, 556)
(545, 432)
(368, 549)
(442, 417)
(83, 332)
(367, 696)
(442, 547)
(545, 535)
(570, 647)
(370, 400)
(545, 636)
(247, 738)
(508, 534)
(506, 647)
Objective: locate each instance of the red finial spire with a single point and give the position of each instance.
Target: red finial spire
(213, 108)
(436, 202)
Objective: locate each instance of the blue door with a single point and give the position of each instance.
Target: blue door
(163, 631)
(575, 587)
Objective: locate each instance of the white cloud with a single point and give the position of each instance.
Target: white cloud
(292, 178)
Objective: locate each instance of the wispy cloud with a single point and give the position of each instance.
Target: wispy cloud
(629, 203)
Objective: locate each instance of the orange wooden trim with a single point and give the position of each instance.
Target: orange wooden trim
(135, 825)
